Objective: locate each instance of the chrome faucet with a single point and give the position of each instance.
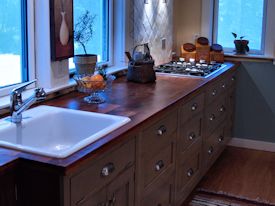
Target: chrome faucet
(17, 106)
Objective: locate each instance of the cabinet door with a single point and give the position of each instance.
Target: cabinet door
(121, 190)
(7, 190)
(96, 199)
(160, 194)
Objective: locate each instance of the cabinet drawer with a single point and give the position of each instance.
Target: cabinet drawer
(213, 91)
(192, 107)
(160, 194)
(213, 145)
(190, 131)
(102, 172)
(157, 164)
(159, 134)
(231, 79)
(214, 115)
(188, 169)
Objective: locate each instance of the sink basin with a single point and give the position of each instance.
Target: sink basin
(56, 132)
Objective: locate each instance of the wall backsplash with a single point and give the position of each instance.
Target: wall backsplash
(152, 23)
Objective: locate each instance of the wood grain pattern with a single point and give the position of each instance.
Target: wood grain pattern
(244, 174)
(140, 102)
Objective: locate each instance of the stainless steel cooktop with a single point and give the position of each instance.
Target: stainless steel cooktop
(192, 69)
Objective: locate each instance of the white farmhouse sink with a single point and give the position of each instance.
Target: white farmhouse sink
(56, 132)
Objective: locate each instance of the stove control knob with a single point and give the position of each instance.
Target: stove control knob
(182, 59)
(192, 61)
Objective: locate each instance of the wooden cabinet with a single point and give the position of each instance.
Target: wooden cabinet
(108, 180)
(218, 117)
(118, 192)
(8, 196)
(156, 159)
(159, 164)
(189, 147)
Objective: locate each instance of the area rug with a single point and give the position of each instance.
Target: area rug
(201, 199)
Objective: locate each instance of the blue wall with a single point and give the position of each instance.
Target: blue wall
(255, 102)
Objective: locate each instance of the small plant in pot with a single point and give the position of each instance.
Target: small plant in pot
(83, 33)
(241, 45)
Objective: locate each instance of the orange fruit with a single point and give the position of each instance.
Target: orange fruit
(97, 78)
(97, 82)
(87, 82)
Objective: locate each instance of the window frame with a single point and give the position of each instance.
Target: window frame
(28, 48)
(231, 50)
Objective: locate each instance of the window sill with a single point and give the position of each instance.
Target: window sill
(248, 57)
(51, 93)
(5, 100)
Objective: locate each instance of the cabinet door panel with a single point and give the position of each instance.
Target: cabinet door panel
(121, 190)
(160, 194)
(96, 199)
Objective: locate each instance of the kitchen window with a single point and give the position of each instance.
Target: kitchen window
(13, 42)
(245, 18)
(100, 43)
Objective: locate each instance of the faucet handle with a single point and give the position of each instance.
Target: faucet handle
(22, 87)
(40, 94)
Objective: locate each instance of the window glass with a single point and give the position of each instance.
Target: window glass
(99, 43)
(13, 55)
(243, 17)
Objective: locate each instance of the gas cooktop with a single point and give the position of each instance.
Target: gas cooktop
(181, 68)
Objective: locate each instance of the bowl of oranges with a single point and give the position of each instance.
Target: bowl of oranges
(95, 85)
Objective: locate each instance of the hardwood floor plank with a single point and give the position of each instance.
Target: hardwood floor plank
(243, 173)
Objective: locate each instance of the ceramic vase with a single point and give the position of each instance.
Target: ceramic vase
(64, 31)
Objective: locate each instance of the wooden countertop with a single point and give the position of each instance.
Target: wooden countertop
(137, 101)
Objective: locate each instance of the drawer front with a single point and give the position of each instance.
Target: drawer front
(214, 115)
(160, 194)
(231, 79)
(213, 145)
(216, 89)
(157, 164)
(213, 91)
(190, 131)
(102, 172)
(189, 167)
(159, 134)
(192, 107)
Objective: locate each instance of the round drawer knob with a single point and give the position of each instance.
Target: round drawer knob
(221, 138)
(192, 136)
(159, 165)
(222, 109)
(210, 150)
(233, 78)
(161, 130)
(223, 86)
(190, 172)
(212, 117)
(214, 92)
(194, 107)
(107, 170)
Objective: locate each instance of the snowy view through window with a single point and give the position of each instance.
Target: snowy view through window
(243, 17)
(99, 43)
(10, 42)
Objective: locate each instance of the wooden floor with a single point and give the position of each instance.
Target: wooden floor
(243, 174)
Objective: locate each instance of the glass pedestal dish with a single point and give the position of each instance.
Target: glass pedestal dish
(95, 86)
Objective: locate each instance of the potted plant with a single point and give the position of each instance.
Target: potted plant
(83, 33)
(241, 45)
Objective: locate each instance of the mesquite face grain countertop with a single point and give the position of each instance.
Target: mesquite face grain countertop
(139, 102)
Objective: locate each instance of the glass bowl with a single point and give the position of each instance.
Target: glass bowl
(94, 85)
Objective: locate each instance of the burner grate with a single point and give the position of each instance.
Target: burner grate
(183, 68)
